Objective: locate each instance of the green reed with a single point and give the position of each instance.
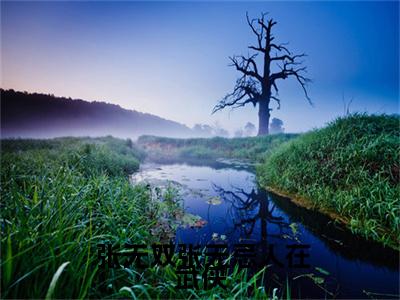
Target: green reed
(252, 148)
(351, 167)
(60, 199)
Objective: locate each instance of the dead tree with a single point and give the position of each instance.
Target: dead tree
(258, 85)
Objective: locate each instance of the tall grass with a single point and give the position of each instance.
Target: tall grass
(252, 148)
(62, 197)
(350, 167)
(59, 199)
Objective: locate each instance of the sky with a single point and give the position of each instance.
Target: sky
(171, 58)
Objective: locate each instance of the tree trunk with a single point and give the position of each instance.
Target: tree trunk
(263, 118)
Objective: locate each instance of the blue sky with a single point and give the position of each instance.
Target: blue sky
(171, 58)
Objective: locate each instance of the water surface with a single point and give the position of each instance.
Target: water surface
(227, 196)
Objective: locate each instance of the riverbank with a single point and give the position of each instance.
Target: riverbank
(234, 208)
(63, 197)
(350, 168)
(254, 149)
(307, 204)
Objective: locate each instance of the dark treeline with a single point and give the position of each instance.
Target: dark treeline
(39, 115)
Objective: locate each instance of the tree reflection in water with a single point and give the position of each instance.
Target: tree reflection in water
(246, 208)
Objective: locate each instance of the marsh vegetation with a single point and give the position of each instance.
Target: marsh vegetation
(62, 197)
(350, 168)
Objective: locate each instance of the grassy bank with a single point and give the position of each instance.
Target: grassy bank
(350, 168)
(251, 148)
(60, 199)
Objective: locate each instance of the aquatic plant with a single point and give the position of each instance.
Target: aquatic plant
(60, 199)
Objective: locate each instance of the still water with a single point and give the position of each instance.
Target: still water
(227, 197)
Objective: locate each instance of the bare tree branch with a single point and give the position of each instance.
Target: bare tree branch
(288, 57)
(277, 100)
(275, 87)
(267, 27)
(243, 64)
(255, 88)
(287, 70)
(260, 35)
(260, 49)
(280, 47)
(245, 91)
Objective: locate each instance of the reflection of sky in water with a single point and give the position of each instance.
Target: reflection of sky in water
(246, 213)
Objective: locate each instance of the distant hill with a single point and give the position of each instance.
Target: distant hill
(39, 115)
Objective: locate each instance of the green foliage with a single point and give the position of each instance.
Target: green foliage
(62, 197)
(253, 148)
(88, 155)
(351, 167)
(59, 199)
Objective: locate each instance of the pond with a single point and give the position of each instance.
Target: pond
(236, 210)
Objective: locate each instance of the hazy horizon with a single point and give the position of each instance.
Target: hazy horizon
(170, 59)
